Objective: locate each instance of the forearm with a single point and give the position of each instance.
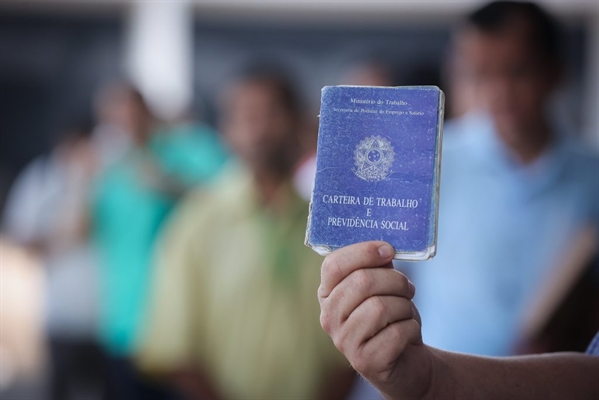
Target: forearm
(367, 310)
(551, 376)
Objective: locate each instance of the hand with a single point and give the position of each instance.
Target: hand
(367, 310)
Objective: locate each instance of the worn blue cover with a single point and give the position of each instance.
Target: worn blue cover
(377, 169)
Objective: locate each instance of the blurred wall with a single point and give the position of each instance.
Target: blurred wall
(54, 54)
(410, 20)
(316, 53)
(319, 53)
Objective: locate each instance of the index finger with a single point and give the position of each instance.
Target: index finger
(342, 262)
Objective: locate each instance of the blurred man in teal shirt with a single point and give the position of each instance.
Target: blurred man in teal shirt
(131, 201)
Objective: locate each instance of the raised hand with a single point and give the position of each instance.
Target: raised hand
(366, 308)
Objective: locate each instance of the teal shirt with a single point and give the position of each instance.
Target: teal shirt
(192, 153)
(128, 213)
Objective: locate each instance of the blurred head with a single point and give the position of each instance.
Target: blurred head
(368, 73)
(509, 52)
(259, 117)
(123, 105)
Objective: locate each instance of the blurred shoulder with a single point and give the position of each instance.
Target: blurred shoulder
(464, 132)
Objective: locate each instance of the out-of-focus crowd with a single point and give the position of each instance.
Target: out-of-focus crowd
(169, 263)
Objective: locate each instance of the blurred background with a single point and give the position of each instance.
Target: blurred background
(55, 55)
(64, 65)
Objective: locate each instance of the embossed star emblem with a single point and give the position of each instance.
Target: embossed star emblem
(373, 158)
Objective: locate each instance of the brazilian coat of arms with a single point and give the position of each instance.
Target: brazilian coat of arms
(373, 159)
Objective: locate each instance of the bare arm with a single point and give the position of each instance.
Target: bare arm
(550, 376)
(366, 308)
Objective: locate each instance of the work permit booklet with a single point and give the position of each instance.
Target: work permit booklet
(377, 169)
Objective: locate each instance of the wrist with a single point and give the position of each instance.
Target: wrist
(439, 377)
(416, 376)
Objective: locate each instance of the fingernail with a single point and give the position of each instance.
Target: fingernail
(412, 288)
(386, 251)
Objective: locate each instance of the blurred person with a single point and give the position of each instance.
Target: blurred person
(459, 88)
(233, 313)
(370, 72)
(367, 308)
(190, 152)
(114, 108)
(49, 180)
(131, 200)
(47, 213)
(515, 190)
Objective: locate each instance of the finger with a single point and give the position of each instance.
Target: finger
(358, 287)
(371, 317)
(417, 315)
(380, 354)
(342, 262)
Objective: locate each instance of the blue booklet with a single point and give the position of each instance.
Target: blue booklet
(377, 169)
